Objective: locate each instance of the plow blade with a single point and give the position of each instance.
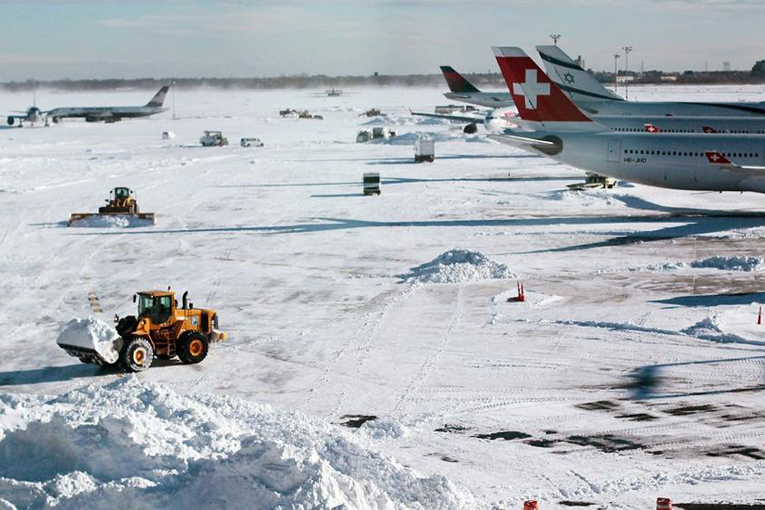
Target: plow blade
(75, 217)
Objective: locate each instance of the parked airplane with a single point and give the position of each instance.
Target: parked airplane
(111, 113)
(464, 91)
(675, 160)
(495, 121)
(591, 96)
(32, 115)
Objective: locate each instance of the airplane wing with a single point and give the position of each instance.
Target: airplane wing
(721, 161)
(458, 118)
(518, 140)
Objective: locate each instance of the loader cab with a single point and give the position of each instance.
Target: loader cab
(121, 193)
(157, 306)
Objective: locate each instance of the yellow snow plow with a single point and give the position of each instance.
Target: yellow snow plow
(160, 329)
(121, 202)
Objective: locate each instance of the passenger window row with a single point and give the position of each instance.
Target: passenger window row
(691, 154)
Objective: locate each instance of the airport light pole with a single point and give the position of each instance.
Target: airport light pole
(616, 73)
(555, 38)
(627, 50)
(173, 85)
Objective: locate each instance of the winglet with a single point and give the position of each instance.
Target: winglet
(537, 98)
(457, 83)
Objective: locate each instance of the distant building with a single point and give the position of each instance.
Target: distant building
(726, 66)
(580, 62)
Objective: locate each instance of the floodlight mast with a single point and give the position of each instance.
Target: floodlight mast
(555, 38)
(616, 72)
(627, 50)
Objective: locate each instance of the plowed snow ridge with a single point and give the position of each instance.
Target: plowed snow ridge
(142, 445)
(458, 266)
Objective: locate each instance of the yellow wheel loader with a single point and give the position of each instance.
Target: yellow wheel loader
(121, 202)
(161, 329)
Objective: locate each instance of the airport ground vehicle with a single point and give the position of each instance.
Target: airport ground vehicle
(159, 329)
(424, 150)
(213, 139)
(121, 202)
(375, 133)
(251, 142)
(372, 183)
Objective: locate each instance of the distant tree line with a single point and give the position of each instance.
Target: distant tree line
(303, 81)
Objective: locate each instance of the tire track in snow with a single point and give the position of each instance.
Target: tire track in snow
(356, 342)
(432, 360)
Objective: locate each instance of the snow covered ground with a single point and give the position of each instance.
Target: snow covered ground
(634, 369)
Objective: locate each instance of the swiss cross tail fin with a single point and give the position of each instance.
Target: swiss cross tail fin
(722, 161)
(159, 97)
(537, 98)
(718, 159)
(457, 83)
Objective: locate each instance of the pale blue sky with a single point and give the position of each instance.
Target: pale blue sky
(46, 39)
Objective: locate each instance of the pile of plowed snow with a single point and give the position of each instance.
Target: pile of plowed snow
(731, 263)
(111, 221)
(92, 333)
(458, 266)
(735, 263)
(136, 445)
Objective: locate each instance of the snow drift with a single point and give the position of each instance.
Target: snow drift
(141, 445)
(458, 266)
(92, 333)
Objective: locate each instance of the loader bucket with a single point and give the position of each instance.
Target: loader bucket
(86, 355)
(91, 341)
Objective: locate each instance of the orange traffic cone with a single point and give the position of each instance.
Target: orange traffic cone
(531, 505)
(663, 504)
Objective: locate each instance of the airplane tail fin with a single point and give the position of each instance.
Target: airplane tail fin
(159, 97)
(457, 83)
(537, 98)
(580, 85)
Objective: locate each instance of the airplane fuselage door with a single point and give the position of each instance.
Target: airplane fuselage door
(614, 150)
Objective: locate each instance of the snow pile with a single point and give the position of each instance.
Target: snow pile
(736, 263)
(731, 263)
(143, 446)
(710, 328)
(111, 221)
(92, 333)
(458, 266)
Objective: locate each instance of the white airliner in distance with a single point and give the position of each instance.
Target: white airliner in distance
(110, 114)
(722, 162)
(495, 121)
(591, 96)
(31, 115)
(464, 91)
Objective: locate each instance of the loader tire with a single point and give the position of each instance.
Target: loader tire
(193, 348)
(126, 326)
(137, 355)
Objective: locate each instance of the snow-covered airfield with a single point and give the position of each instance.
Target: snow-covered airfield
(635, 368)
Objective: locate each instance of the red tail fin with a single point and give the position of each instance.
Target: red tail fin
(457, 82)
(536, 96)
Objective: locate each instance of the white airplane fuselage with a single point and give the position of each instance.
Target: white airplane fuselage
(669, 108)
(105, 113)
(675, 161)
(709, 125)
